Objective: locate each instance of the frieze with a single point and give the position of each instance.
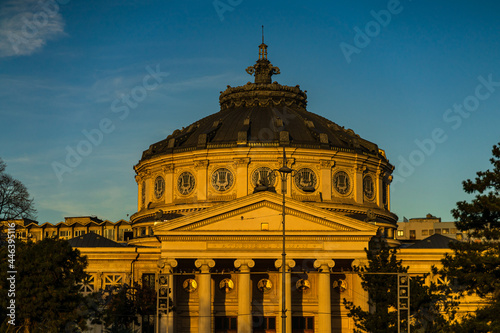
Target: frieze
(201, 164)
(214, 246)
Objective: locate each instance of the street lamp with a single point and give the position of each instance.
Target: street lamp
(284, 171)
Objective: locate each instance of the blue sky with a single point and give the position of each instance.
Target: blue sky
(65, 67)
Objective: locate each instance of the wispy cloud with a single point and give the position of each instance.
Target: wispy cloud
(27, 25)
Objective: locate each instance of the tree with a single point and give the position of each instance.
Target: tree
(121, 306)
(425, 301)
(15, 202)
(46, 286)
(474, 265)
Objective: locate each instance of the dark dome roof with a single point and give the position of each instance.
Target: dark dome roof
(262, 114)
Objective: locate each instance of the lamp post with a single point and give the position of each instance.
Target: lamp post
(284, 171)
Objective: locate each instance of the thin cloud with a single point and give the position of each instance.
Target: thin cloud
(27, 25)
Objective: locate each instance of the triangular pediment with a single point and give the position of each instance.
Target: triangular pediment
(263, 212)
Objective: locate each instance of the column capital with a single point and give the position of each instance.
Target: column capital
(289, 263)
(244, 264)
(166, 264)
(204, 264)
(324, 265)
(358, 263)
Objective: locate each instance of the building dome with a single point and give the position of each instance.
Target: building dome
(262, 114)
(225, 155)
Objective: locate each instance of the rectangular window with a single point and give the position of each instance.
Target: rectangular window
(425, 232)
(79, 233)
(264, 324)
(111, 280)
(303, 324)
(109, 233)
(401, 233)
(148, 279)
(64, 233)
(264, 226)
(226, 324)
(446, 231)
(431, 231)
(437, 231)
(413, 234)
(453, 231)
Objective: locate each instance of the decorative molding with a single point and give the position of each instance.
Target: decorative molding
(289, 263)
(201, 164)
(204, 264)
(169, 168)
(167, 264)
(244, 264)
(267, 204)
(327, 164)
(324, 265)
(241, 161)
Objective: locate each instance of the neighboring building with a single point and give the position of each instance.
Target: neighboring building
(416, 229)
(71, 227)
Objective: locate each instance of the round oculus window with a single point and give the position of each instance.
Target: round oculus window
(263, 176)
(341, 182)
(186, 183)
(222, 179)
(368, 187)
(305, 178)
(159, 187)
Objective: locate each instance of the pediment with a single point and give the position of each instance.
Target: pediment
(263, 210)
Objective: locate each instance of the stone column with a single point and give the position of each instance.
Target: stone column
(326, 179)
(379, 188)
(288, 294)
(244, 295)
(241, 165)
(166, 266)
(168, 171)
(359, 295)
(358, 183)
(324, 295)
(201, 167)
(204, 295)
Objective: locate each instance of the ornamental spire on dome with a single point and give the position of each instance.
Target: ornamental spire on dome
(263, 68)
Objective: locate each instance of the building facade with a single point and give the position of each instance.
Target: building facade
(213, 208)
(210, 213)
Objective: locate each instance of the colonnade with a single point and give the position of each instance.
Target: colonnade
(244, 294)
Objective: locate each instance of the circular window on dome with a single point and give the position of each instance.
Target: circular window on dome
(341, 182)
(368, 187)
(159, 187)
(305, 178)
(263, 176)
(222, 179)
(186, 183)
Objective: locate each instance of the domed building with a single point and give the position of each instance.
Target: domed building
(213, 196)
